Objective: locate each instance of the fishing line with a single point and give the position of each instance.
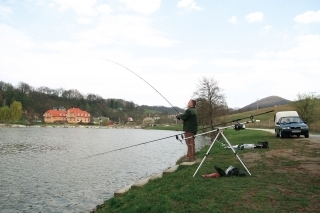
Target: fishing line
(181, 134)
(144, 81)
(119, 149)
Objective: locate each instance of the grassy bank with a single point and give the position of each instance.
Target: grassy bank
(285, 178)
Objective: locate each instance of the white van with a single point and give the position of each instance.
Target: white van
(288, 123)
(279, 115)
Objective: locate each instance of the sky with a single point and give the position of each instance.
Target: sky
(253, 49)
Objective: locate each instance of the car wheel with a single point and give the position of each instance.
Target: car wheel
(281, 135)
(306, 135)
(276, 134)
(298, 136)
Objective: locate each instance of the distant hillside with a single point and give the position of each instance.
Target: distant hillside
(270, 101)
(161, 109)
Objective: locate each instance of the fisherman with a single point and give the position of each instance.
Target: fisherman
(190, 128)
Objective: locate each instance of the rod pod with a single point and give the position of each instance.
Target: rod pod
(220, 131)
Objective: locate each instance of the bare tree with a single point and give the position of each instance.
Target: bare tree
(56, 92)
(211, 102)
(93, 97)
(72, 94)
(306, 106)
(24, 88)
(44, 90)
(5, 86)
(59, 92)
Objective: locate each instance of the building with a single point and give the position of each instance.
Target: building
(55, 116)
(72, 115)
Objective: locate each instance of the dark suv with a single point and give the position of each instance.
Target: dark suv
(291, 125)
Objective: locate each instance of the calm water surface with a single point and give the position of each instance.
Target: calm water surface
(61, 169)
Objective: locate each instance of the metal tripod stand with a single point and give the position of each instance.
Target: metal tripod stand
(220, 132)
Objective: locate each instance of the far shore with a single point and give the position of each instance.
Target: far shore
(71, 126)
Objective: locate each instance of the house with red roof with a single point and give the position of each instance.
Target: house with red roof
(72, 115)
(76, 115)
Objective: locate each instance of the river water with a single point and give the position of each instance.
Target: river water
(68, 169)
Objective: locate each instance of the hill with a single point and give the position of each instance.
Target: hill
(270, 101)
(161, 109)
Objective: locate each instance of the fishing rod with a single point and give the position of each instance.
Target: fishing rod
(237, 120)
(144, 81)
(119, 149)
(181, 134)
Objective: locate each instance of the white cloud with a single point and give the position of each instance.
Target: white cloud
(142, 6)
(126, 31)
(105, 9)
(84, 20)
(233, 20)
(5, 12)
(84, 8)
(308, 49)
(308, 17)
(254, 17)
(12, 39)
(267, 69)
(188, 5)
(266, 29)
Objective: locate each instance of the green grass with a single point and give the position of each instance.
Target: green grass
(279, 182)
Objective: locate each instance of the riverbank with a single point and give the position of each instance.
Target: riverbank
(275, 184)
(71, 126)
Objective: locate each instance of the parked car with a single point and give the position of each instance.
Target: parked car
(288, 125)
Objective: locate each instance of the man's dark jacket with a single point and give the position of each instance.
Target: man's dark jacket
(190, 120)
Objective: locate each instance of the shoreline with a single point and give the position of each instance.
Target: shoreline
(70, 126)
(143, 181)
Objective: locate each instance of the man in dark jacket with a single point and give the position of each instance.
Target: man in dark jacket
(190, 127)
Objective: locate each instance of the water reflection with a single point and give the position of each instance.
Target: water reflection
(48, 169)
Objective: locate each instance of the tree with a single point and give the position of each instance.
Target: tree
(148, 121)
(105, 122)
(5, 114)
(306, 106)
(44, 90)
(112, 103)
(211, 101)
(15, 111)
(24, 88)
(5, 86)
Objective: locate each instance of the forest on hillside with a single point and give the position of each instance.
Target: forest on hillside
(36, 101)
(210, 103)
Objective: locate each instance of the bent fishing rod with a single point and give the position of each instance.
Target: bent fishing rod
(237, 120)
(144, 81)
(181, 135)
